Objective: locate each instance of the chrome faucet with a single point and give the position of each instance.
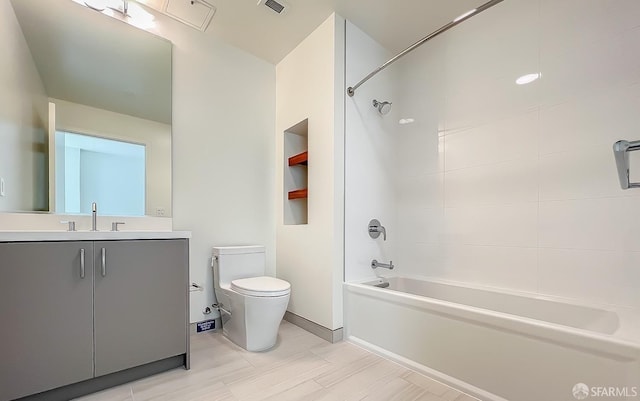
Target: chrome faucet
(375, 228)
(375, 264)
(94, 216)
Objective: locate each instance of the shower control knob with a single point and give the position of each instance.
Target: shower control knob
(375, 228)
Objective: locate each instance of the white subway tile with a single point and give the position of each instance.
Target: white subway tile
(485, 101)
(420, 259)
(493, 45)
(420, 192)
(631, 48)
(505, 267)
(598, 119)
(504, 140)
(508, 225)
(420, 91)
(584, 71)
(422, 225)
(598, 224)
(419, 153)
(572, 24)
(494, 184)
(610, 277)
(480, 34)
(588, 173)
(477, 65)
(484, 57)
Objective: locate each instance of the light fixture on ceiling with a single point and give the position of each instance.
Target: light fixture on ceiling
(405, 121)
(140, 17)
(194, 13)
(125, 10)
(528, 78)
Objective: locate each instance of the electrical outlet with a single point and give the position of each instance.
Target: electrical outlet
(2, 187)
(160, 211)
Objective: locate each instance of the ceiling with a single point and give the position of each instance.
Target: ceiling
(85, 58)
(394, 24)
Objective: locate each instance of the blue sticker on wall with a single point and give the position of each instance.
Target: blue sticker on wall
(205, 326)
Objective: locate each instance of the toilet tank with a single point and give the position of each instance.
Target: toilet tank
(234, 262)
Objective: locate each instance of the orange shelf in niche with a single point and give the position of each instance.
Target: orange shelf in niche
(298, 194)
(300, 158)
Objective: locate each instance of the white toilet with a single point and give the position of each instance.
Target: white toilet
(251, 304)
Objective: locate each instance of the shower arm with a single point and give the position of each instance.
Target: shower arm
(352, 89)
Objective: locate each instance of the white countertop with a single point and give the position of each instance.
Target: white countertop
(25, 236)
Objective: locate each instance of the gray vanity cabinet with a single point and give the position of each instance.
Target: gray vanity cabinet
(140, 302)
(46, 316)
(75, 312)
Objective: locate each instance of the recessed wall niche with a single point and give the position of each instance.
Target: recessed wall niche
(296, 177)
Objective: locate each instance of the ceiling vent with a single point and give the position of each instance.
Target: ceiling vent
(279, 7)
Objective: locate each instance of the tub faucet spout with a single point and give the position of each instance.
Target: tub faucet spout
(376, 264)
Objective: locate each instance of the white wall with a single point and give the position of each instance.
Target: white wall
(156, 137)
(223, 154)
(310, 84)
(370, 161)
(23, 120)
(515, 186)
(223, 150)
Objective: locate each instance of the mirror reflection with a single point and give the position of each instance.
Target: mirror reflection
(85, 112)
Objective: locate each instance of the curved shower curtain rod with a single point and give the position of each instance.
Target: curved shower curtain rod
(352, 89)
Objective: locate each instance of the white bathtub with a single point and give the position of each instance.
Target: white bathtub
(497, 345)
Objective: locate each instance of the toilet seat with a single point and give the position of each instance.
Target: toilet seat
(261, 286)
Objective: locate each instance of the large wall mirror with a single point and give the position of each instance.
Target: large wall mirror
(85, 112)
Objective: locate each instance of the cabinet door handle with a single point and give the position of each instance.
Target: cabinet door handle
(104, 262)
(82, 263)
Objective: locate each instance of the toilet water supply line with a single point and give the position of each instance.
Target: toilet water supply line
(218, 306)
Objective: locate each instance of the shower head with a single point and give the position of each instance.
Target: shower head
(383, 107)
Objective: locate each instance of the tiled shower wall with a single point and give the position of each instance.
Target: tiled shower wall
(515, 186)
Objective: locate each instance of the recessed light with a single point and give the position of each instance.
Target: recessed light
(527, 79)
(404, 121)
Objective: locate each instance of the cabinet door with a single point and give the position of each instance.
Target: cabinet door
(46, 312)
(141, 290)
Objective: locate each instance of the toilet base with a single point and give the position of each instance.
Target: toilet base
(254, 321)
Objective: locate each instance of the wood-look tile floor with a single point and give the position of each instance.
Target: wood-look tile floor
(300, 367)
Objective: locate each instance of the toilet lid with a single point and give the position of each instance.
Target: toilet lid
(261, 286)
